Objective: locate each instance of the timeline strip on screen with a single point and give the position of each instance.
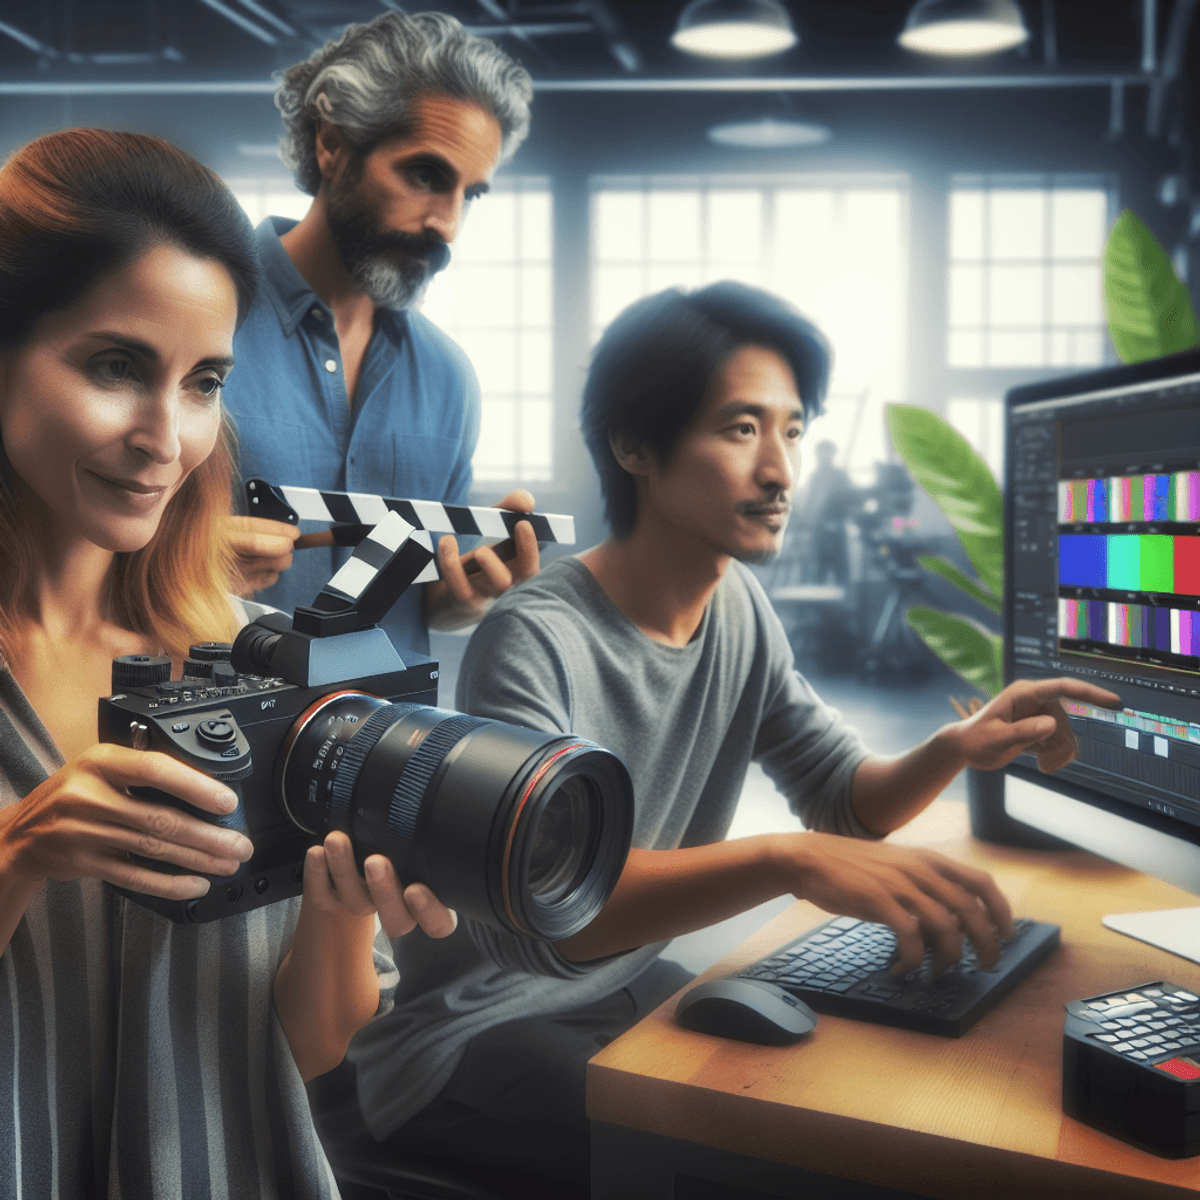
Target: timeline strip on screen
(1143, 722)
(1121, 499)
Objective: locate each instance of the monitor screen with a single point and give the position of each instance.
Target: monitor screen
(1102, 562)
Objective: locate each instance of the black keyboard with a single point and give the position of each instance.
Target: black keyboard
(843, 967)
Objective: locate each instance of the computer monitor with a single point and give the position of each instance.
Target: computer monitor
(1102, 581)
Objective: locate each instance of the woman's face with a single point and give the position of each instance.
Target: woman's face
(111, 403)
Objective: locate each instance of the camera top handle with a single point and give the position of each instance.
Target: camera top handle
(382, 566)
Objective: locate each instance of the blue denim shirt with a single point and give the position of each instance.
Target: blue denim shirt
(411, 432)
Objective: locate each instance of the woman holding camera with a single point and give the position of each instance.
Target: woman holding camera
(147, 1058)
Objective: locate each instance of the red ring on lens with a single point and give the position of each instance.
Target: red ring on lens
(512, 829)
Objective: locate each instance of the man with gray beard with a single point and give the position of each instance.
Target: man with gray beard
(393, 129)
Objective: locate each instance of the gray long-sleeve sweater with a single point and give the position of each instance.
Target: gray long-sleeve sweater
(557, 654)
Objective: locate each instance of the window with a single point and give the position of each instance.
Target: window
(271, 197)
(1025, 272)
(836, 248)
(495, 301)
(981, 422)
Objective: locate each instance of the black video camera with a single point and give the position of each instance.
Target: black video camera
(318, 724)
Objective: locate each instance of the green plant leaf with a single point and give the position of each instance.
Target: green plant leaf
(944, 463)
(949, 572)
(962, 644)
(1150, 310)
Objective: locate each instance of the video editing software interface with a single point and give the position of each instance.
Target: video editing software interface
(1104, 578)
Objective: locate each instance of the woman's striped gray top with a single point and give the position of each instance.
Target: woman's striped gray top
(139, 1058)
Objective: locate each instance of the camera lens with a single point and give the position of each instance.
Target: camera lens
(562, 842)
(523, 830)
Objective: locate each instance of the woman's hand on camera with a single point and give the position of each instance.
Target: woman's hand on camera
(333, 884)
(83, 823)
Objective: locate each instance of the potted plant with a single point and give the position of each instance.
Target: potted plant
(962, 485)
(1150, 314)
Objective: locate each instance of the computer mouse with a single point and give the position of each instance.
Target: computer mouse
(747, 1010)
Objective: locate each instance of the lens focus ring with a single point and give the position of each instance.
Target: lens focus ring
(419, 772)
(361, 744)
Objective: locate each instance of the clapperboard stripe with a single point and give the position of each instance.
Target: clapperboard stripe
(369, 557)
(360, 508)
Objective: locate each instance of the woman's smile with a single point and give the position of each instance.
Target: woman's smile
(140, 497)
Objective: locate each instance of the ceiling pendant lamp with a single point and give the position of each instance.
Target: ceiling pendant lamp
(768, 133)
(964, 27)
(734, 29)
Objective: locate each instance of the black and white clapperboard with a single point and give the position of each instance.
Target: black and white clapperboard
(353, 514)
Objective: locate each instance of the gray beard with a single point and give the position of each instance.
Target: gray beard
(389, 285)
(393, 269)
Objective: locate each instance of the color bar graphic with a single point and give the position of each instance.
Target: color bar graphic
(1130, 562)
(1138, 626)
(1124, 498)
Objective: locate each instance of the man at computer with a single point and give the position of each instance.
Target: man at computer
(660, 644)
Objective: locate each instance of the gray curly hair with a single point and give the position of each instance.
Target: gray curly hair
(365, 83)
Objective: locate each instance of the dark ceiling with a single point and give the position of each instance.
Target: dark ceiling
(557, 39)
(614, 95)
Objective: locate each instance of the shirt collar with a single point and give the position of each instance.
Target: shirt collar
(290, 292)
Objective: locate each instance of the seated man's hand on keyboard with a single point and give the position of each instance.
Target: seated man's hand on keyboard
(925, 898)
(1027, 716)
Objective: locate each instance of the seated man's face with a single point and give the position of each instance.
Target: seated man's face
(728, 484)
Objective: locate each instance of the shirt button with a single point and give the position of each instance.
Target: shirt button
(319, 314)
(330, 365)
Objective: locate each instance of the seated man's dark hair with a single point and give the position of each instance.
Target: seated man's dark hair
(657, 362)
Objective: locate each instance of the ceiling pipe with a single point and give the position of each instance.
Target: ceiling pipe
(1116, 111)
(496, 10)
(1050, 34)
(1174, 46)
(609, 29)
(519, 28)
(247, 87)
(27, 40)
(867, 83)
(265, 14)
(231, 14)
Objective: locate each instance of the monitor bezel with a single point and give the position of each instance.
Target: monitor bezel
(1064, 387)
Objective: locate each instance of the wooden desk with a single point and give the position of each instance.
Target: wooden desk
(886, 1110)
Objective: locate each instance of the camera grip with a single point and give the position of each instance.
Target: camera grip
(234, 820)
